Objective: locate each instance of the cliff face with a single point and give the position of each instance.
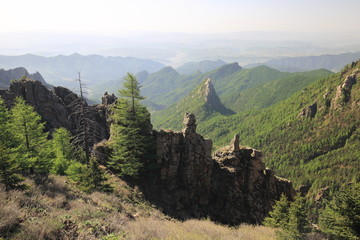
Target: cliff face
(231, 187)
(57, 107)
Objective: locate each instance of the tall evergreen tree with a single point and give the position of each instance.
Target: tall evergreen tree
(341, 218)
(27, 130)
(8, 167)
(279, 216)
(8, 170)
(63, 150)
(4, 120)
(130, 130)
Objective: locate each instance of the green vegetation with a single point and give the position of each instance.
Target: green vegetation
(305, 150)
(129, 132)
(63, 151)
(271, 92)
(341, 217)
(291, 218)
(31, 148)
(202, 101)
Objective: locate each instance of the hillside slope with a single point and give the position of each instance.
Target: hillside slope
(310, 138)
(202, 101)
(269, 93)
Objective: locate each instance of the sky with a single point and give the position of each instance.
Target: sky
(112, 17)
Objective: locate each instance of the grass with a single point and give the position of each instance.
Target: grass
(55, 209)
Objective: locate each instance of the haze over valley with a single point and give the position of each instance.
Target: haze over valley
(180, 119)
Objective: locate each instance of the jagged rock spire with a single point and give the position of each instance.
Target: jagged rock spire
(190, 124)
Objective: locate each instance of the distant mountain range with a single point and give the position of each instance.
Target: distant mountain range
(6, 76)
(62, 70)
(296, 64)
(239, 90)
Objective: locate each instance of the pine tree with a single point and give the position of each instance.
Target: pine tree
(5, 139)
(94, 179)
(298, 224)
(279, 216)
(341, 217)
(63, 151)
(8, 170)
(130, 130)
(27, 130)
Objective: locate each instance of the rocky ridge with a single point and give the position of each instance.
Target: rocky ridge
(57, 107)
(232, 186)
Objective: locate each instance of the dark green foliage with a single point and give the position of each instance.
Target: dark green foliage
(89, 177)
(130, 131)
(271, 92)
(341, 217)
(320, 151)
(5, 134)
(31, 146)
(291, 218)
(8, 170)
(279, 216)
(63, 151)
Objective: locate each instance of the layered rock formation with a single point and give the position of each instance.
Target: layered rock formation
(231, 187)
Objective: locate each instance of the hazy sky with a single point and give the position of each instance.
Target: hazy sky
(194, 16)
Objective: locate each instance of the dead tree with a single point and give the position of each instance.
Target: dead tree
(86, 133)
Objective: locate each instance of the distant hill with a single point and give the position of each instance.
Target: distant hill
(296, 64)
(312, 138)
(202, 101)
(62, 70)
(6, 76)
(203, 66)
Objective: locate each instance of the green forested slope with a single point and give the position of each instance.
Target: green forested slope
(320, 151)
(202, 101)
(269, 93)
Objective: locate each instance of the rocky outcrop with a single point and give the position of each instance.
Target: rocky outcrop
(243, 190)
(343, 91)
(309, 111)
(58, 107)
(231, 187)
(185, 166)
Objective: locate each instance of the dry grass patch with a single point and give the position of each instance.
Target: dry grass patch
(148, 228)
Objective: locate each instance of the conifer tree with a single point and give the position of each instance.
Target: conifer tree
(4, 120)
(341, 217)
(63, 150)
(8, 167)
(8, 170)
(27, 130)
(279, 216)
(93, 178)
(130, 130)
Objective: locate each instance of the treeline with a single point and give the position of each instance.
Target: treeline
(27, 150)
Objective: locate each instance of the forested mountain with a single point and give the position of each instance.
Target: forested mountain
(268, 93)
(311, 138)
(296, 64)
(202, 101)
(62, 70)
